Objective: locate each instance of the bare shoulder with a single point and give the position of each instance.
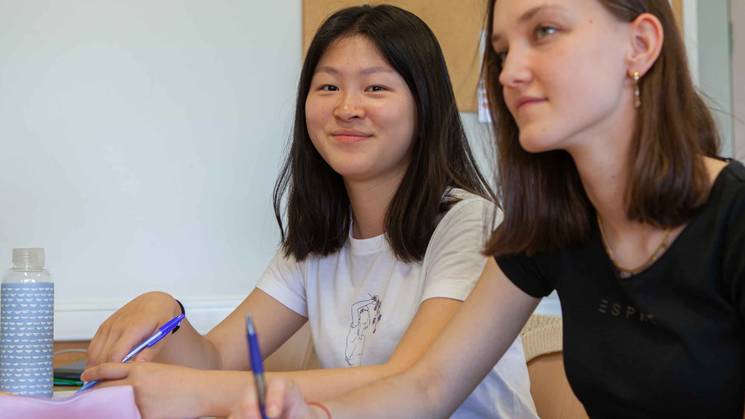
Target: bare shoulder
(714, 167)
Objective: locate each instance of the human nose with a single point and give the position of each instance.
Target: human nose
(515, 69)
(349, 106)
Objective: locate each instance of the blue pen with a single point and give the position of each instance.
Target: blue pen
(257, 364)
(162, 332)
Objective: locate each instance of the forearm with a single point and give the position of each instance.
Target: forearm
(189, 348)
(409, 395)
(219, 391)
(325, 384)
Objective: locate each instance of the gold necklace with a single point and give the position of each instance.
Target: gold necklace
(627, 272)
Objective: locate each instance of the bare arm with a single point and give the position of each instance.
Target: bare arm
(223, 348)
(460, 357)
(174, 391)
(215, 392)
(137, 320)
(274, 322)
(429, 321)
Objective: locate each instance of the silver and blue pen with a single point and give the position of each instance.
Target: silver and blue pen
(162, 332)
(257, 364)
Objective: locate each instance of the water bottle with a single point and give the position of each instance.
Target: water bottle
(27, 326)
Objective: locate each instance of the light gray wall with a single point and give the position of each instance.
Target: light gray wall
(714, 64)
(140, 141)
(737, 11)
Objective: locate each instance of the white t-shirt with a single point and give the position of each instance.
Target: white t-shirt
(360, 300)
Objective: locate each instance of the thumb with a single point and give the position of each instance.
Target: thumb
(108, 371)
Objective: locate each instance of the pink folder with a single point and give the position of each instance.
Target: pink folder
(110, 403)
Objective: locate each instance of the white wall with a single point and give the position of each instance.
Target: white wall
(139, 142)
(737, 10)
(714, 65)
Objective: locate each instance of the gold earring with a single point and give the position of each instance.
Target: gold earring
(637, 92)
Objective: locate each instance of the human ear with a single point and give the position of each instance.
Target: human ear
(646, 40)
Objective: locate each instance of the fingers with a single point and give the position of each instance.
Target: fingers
(124, 340)
(110, 344)
(147, 355)
(129, 326)
(95, 348)
(115, 383)
(241, 411)
(276, 395)
(108, 371)
(283, 400)
(246, 409)
(115, 342)
(248, 406)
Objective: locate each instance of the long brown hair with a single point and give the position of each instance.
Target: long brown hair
(545, 205)
(310, 202)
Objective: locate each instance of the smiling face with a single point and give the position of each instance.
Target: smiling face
(359, 111)
(563, 75)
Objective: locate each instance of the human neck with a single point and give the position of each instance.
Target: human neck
(604, 177)
(602, 164)
(370, 200)
(601, 158)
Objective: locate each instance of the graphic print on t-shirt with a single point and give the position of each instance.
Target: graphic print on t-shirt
(365, 316)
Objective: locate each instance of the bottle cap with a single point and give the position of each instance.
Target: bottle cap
(28, 258)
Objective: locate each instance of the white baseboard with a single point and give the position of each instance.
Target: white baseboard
(79, 319)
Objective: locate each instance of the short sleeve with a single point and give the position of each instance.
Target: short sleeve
(454, 261)
(525, 273)
(284, 281)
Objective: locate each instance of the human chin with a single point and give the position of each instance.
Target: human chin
(349, 166)
(536, 139)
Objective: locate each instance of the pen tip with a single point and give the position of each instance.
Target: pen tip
(249, 325)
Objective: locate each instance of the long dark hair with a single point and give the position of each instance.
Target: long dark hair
(545, 205)
(318, 211)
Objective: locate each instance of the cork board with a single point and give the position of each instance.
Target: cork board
(458, 28)
(678, 11)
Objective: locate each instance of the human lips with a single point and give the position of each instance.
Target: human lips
(350, 136)
(524, 101)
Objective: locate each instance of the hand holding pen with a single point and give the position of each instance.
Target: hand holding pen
(284, 397)
(287, 396)
(156, 337)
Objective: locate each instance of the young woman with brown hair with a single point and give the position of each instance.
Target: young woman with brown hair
(613, 196)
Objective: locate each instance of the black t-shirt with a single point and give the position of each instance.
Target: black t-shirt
(667, 342)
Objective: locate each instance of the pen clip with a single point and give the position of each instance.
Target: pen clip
(165, 330)
(172, 324)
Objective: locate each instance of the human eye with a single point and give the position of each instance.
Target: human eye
(328, 88)
(544, 31)
(376, 88)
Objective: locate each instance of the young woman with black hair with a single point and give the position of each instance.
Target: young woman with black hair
(615, 197)
(386, 215)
